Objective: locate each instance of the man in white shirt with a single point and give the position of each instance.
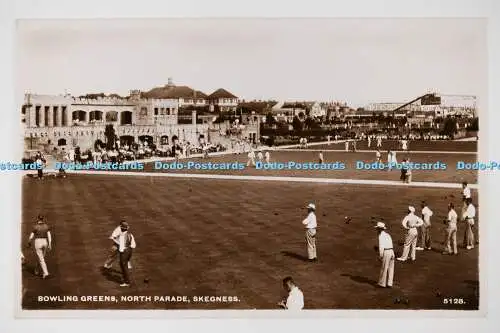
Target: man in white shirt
(39, 160)
(386, 255)
(468, 217)
(295, 299)
(115, 237)
(379, 141)
(126, 244)
(267, 156)
(404, 145)
(310, 223)
(260, 156)
(346, 145)
(425, 230)
(369, 141)
(466, 194)
(411, 222)
(466, 191)
(251, 158)
(451, 231)
(320, 157)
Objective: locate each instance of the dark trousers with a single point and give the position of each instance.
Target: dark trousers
(425, 236)
(124, 259)
(40, 173)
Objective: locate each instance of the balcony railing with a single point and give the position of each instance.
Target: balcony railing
(120, 130)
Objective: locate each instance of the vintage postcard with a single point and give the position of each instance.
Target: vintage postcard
(251, 164)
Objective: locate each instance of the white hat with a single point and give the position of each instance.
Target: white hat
(411, 209)
(380, 225)
(311, 206)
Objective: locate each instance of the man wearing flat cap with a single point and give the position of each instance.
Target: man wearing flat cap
(115, 238)
(411, 222)
(386, 255)
(311, 224)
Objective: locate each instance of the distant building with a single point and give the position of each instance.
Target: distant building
(449, 105)
(286, 111)
(67, 121)
(184, 95)
(317, 110)
(222, 100)
(259, 107)
(153, 116)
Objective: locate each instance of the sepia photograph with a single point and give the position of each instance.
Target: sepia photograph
(251, 163)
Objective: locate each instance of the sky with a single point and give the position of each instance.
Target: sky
(359, 61)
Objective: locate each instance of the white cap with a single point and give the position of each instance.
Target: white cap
(380, 225)
(311, 206)
(411, 209)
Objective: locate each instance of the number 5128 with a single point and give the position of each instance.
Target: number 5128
(453, 301)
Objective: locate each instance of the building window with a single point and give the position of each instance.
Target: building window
(156, 111)
(80, 116)
(95, 115)
(126, 118)
(111, 116)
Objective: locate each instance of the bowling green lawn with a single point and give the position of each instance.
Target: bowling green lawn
(350, 161)
(207, 237)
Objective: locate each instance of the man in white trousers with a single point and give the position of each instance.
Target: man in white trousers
(386, 255)
(251, 158)
(451, 231)
(43, 243)
(468, 217)
(260, 156)
(267, 157)
(311, 224)
(411, 223)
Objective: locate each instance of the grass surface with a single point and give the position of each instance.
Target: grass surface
(450, 174)
(439, 145)
(238, 238)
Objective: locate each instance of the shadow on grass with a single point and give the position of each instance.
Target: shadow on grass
(361, 279)
(30, 269)
(294, 255)
(111, 274)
